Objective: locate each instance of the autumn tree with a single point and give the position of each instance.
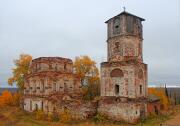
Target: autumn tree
(20, 70)
(161, 93)
(9, 99)
(86, 69)
(6, 98)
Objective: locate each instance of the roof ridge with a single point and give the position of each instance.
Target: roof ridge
(126, 13)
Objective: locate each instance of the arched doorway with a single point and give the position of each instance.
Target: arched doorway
(117, 76)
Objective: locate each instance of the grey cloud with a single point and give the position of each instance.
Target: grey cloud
(73, 28)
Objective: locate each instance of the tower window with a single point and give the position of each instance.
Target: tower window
(116, 89)
(140, 89)
(116, 26)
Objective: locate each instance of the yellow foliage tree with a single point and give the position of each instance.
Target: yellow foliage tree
(86, 69)
(20, 70)
(16, 99)
(160, 92)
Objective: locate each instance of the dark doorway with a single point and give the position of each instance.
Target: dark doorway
(36, 107)
(156, 110)
(116, 89)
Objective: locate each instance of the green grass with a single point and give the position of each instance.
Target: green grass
(13, 116)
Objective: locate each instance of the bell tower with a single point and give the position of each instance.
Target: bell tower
(124, 74)
(124, 37)
(123, 81)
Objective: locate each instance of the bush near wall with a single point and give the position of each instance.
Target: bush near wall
(65, 116)
(9, 99)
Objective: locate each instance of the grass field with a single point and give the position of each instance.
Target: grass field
(13, 116)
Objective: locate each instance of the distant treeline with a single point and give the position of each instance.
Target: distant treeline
(12, 90)
(172, 92)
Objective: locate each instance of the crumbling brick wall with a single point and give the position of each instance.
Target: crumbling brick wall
(121, 109)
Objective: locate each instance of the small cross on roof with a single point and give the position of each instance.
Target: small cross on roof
(124, 9)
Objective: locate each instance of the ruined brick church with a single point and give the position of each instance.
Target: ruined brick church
(52, 86)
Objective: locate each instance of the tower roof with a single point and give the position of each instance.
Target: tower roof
(126, 13)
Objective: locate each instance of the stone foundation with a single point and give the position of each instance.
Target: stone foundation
(119, 109)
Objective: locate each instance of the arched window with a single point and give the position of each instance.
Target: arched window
(65, 87)
(30, 105)
(65, 66)
(116, 73)
(42, 84)
(116, 26)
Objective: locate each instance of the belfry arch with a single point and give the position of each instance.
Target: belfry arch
(117, 76)
(117, 73)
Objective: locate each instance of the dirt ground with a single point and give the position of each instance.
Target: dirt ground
(13, 116)
(175, 120)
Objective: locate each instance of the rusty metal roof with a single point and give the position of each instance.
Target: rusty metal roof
(153, 98)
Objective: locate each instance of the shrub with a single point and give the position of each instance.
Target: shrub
(65, 116)
(40, 115)
(49, 117)
(55, 117)
(152, 115)
(9, 99)
(99, 118)
(6, 98)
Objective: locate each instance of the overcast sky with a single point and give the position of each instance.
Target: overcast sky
(69, 28)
